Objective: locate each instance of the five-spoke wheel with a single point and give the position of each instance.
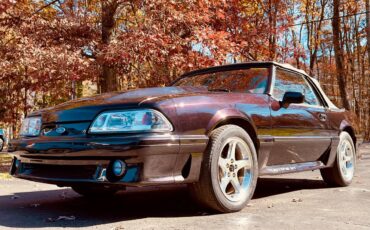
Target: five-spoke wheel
(346, 159)
(235, 163)
(229, 170)
(342, 172)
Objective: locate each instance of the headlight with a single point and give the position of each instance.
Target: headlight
(140, 120)
(31, 126)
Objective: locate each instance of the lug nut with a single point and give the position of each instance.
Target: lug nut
(228, 174)
(227, 166)
(233, 174)
(232, 160)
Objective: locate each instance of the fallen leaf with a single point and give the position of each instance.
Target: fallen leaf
(297, 200)
(117, 228)
(69, 218)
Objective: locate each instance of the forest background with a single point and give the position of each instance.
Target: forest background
(52, 51)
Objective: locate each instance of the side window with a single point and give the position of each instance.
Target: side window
(287, 81)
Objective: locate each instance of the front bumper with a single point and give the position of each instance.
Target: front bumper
(151, 159)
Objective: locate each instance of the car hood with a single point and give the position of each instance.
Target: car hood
(85, 109)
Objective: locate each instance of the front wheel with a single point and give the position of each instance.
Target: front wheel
(342, 172)
(229, 170)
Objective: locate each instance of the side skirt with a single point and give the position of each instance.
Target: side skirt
(291, 168)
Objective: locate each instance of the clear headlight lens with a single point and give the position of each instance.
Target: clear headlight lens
(140, 120)
(31, 126)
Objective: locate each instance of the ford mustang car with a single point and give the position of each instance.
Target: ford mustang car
(216, 129)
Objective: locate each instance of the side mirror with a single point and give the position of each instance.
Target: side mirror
(292, 97)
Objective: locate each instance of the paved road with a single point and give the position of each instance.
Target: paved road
(296, 201)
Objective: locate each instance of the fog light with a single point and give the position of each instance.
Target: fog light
(119, 168)
(17, 163)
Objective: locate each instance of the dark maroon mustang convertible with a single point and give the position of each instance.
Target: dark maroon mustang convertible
(215, 129)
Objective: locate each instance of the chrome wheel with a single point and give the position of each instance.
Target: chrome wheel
(342, 172)
(346, 159)
(235, 169)
(229, 170)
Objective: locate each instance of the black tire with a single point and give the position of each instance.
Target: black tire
(2, 143)
(334, 176)
(94, 191)
(207, 191)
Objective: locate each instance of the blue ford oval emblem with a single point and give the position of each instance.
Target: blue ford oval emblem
(60, 130)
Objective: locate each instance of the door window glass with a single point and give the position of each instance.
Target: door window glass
(286, 81)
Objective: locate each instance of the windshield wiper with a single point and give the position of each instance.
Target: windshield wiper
(220, 90)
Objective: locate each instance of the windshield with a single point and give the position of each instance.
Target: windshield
(251, 80)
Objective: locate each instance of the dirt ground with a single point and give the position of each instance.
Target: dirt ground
(295, 201)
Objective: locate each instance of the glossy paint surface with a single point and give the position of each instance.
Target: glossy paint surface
(297, 136)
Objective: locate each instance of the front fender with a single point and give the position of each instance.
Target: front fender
(224, 115)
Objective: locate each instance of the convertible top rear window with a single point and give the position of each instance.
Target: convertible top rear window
(251, 80)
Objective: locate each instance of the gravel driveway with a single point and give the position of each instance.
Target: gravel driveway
(295, 201)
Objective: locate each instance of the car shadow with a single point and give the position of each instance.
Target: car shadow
(41, 208)
(273, 186)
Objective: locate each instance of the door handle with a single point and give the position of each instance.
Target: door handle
(322, 117)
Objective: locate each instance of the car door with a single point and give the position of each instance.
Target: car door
(300, 131)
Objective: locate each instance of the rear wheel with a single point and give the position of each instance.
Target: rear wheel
(229, 170)
(342, 172)
(94, 191)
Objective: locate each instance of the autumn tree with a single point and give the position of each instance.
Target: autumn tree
(339, 54)
(51, 51)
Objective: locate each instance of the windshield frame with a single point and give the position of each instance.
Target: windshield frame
(227, 68)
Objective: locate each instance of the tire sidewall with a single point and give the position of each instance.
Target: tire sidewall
(345, 136)
(232, 131)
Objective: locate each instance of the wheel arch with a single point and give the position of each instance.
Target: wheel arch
(349, 129)
(241, 122)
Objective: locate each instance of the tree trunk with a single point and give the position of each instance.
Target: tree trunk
(315, 33)
(108, 80)
(368, 28)
(339, 54)
(366, 78)
(272, 24)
